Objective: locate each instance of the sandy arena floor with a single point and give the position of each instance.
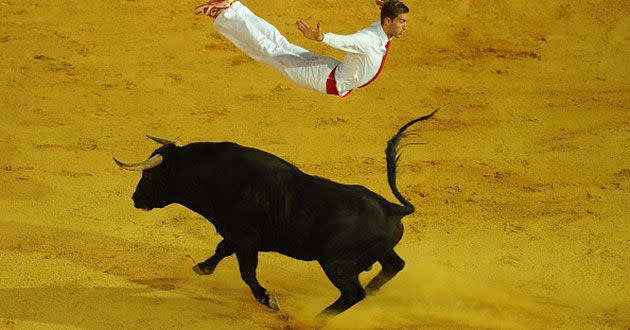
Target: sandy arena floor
(522, 188)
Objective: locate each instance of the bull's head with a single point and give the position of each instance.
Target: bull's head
(153, 190)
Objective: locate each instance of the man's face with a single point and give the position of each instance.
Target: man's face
(396, 27)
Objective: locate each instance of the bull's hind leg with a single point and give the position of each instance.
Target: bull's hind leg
(224, 249)
(347, 281)
(392, 264)
(247, 262)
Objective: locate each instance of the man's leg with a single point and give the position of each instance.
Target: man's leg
(256, 37)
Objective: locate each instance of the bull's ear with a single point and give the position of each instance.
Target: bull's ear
(165, 141)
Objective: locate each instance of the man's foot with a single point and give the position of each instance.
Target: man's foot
(213, 8)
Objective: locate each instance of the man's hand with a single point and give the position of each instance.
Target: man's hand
(310, 32)
(380, 3)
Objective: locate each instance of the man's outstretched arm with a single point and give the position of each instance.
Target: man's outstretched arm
(353, 43)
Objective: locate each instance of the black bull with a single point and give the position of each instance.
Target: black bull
(259, 202)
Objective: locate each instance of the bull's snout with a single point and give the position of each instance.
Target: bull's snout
(137, 203)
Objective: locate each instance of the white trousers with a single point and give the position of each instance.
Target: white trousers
(264, 43)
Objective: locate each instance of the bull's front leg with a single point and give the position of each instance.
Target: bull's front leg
(247, 262)
(224, 249)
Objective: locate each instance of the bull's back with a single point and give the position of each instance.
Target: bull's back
(228, 166)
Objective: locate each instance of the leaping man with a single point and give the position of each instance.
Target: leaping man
(366, 50)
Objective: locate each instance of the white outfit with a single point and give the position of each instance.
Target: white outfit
(264, 43)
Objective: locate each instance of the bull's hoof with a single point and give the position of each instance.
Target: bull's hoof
(271, 302)
(370, 291)
(322, 318)
(201, 270)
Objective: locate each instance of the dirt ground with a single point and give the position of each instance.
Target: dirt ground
(522, 188)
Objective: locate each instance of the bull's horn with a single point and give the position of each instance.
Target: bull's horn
(145, 165)
(164, 141)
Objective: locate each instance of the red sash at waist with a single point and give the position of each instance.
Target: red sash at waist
(331, 84)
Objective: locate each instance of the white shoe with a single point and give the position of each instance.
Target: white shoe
(213, 8)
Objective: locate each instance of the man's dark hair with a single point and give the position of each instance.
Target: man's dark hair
(392, 9)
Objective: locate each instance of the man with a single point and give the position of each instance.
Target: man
(366, 50)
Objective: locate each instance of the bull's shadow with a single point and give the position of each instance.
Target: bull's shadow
(260, 202)
(151, 293)
(118, 308)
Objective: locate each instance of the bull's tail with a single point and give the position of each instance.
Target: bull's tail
(392, 155)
